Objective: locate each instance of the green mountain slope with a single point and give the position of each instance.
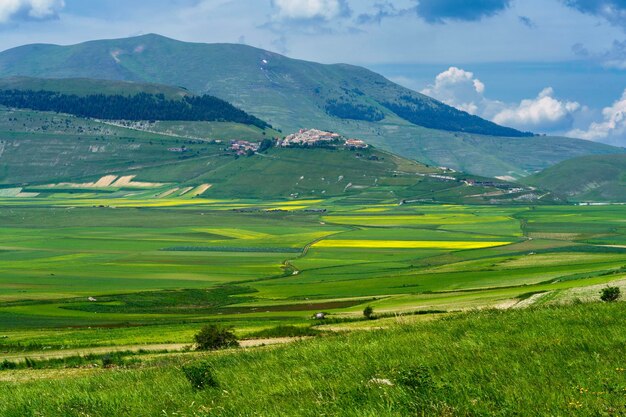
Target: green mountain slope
(590, 178)
(39, 147)
(292, 94)
(106, 100)
(48, 153)
(86, 86)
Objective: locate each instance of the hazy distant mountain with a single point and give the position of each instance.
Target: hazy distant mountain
(292, 94)
(589, 178)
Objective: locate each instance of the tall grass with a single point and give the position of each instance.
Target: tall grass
(559, 361)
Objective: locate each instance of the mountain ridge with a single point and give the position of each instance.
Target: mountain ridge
(292, 94)
(123, 59)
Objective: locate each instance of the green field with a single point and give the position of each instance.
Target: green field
(564, 361)
(158, 267)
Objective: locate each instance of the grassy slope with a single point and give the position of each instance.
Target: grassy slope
(37, 147)
(591, 178)
(307, 172)
(565, 361)
(86, 86)
(291, 94)
(41, 148)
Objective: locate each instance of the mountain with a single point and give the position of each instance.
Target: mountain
(291, 94)
(599, 178)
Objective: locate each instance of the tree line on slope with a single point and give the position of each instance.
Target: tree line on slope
(448, 118)
(141, 106)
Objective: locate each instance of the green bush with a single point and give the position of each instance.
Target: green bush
(368, 313)
(213, 337)
(610, 294)
(200, 375)
(416, 378)
(112, 359)
(30, 363)
(5, 364)
(286, 331)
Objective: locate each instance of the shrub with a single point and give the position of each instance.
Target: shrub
(30, 363)
(112, 359)
(286, 331)
(610, 294)
(200, 375)
(368, 313)
(213, 337)
(416, 378)
(5, 364)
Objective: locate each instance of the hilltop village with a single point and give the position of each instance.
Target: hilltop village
(304, 138)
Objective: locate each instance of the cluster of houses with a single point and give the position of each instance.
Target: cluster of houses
(356, 143)
(244, 147)
(315, 137)
(309, 137)
(502, 186)
(179, 150)
(303, 138)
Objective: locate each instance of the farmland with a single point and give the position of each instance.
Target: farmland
(156, 268)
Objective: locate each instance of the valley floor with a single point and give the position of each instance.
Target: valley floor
(480, 310)
(86, 272)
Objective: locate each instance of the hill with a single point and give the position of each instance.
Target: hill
(591, 178)
(292, 94)
(47, 152)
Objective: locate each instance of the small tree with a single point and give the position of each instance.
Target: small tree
(265, 144)
(213, 337)
(610, 294)
(368, 312)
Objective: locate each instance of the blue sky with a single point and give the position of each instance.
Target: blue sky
(553, 66)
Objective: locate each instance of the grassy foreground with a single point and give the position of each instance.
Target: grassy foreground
(558, 361)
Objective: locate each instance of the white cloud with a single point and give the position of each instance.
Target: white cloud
(458, 88)
(613, 125)
(34, 9)
(545, 112)
(309, 9)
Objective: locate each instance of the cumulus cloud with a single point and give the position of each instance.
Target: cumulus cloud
(463, 90)
(613, 125)
(310, 9)
(545, 112)
(613, 11)
(458, 88)
(439, 11)
(30, 9)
